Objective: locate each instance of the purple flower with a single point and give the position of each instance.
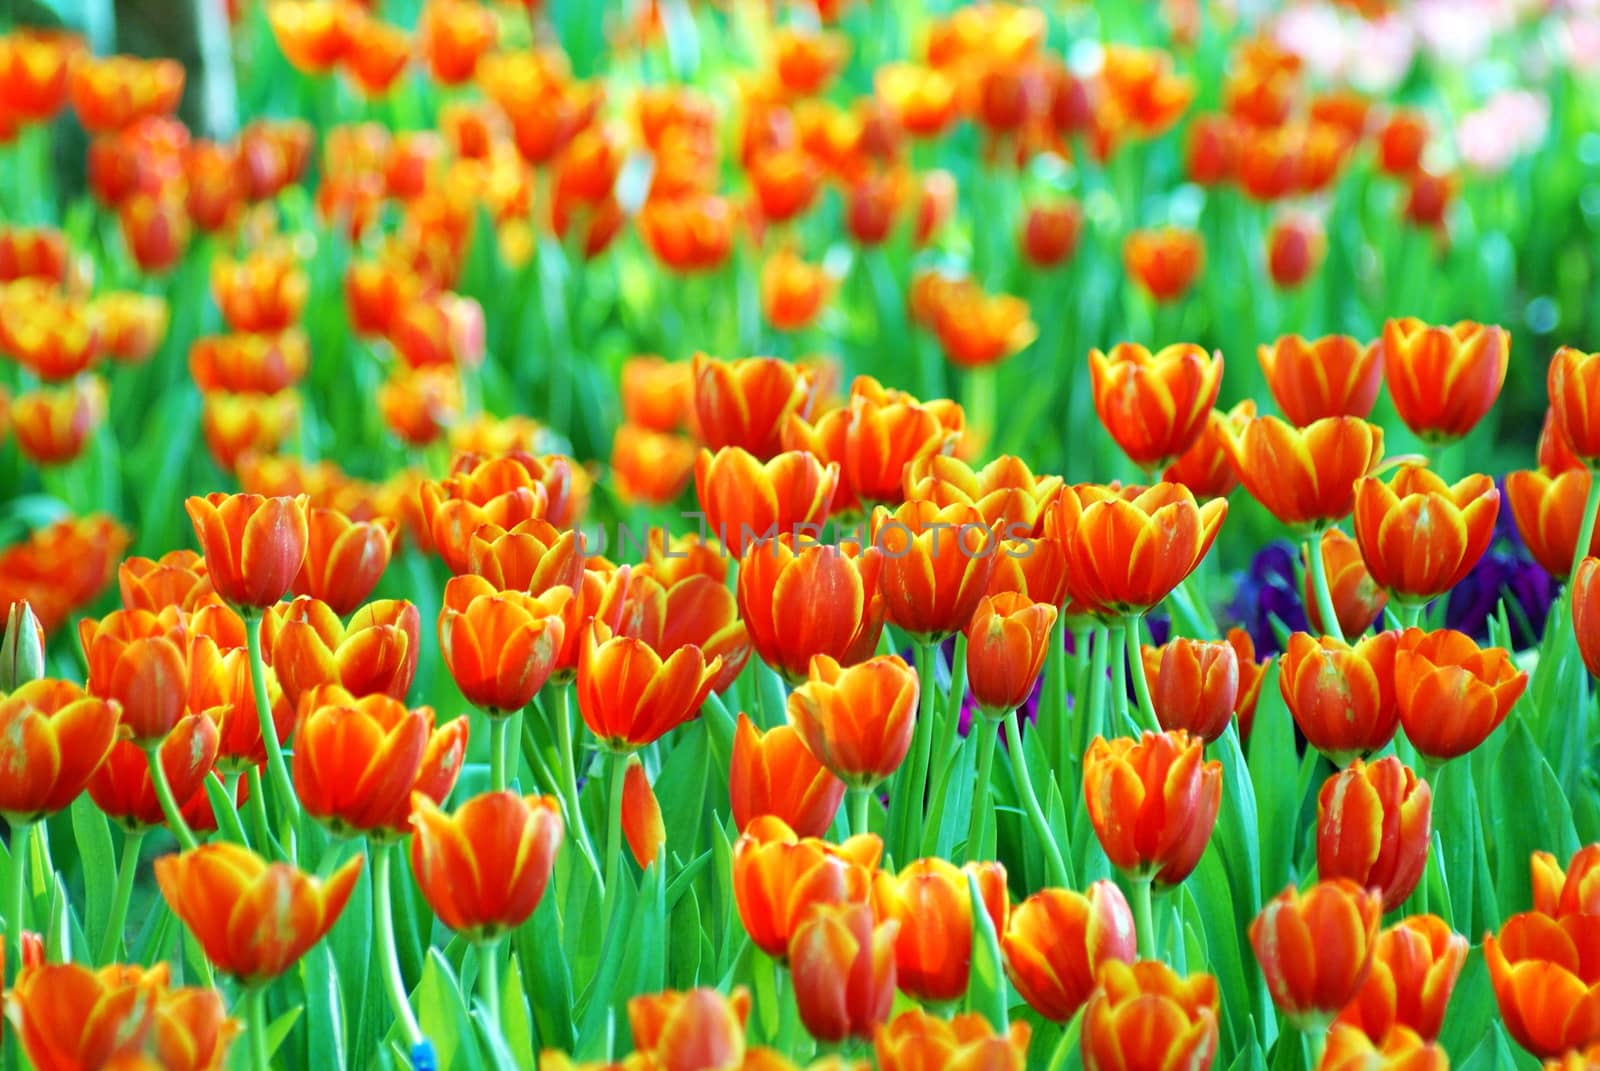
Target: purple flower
(1268, 590)
(1506, 574)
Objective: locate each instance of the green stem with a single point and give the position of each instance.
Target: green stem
(978, 828)
(1320, 589)
(111, 944)
(1067, 733)
(1143, 921)
(1123, 718)
(1094, 719)
(489, 979)
(383, 914)
(912, 793)
(619, 774)
(258, 809)
(569, 780)
(17, 903)
(497, 751)
(169, 805)
(1591, 507)
(1410, 614)
(1141, 684)
(277, 769)
(860, 799)
(1059, 876)
(256, 1028)
(1068, 1043)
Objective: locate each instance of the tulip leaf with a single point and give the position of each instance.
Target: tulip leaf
(987, 992)
(1471, 1005)
(1290, 1054)
(1225, 942)
(443, 1016)
(494, 1045)
(596, 1002)
(549, 980)
(1531, 814)
(278, 1029)
(1456, 823)
(723, 905)
(1249, 1058)
(325, 1006)
(226, 810)
(92, 833)
(515, 1023)
(1272, 750)
(686, 941)
(681, 788)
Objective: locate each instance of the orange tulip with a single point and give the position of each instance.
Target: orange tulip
(1128, 549)
(1305, 477)
(800, 600)
(263, 293)
(1574, 385)
(697, 1030)
(453, 36)
(806, 61)
(1373, 825)
(137, 659)
(1332, 376)
(533, 557)
(1357, 600)
(1005, 492)
(794, 293)
(744, 403)
(1586, 613)
(155, 229)
(1342, 697)
(785, 183)
(977, 329)
(178, 578)
(313, 34)
(192, 1030)
(34, 68)
(122, 788)
(1573, 892)
(1035, 567)
(240, 426)
(419, 406)
(484, 868)
(53, 424)
(1007, 641)
(630, 696)
(937, 563)
(745, 499)
(219, 680)
(1152, 802)
(376, 654)
(132, 324)
(1401, 142)
(500, 646)
(659, 394)
(1251, 674)
(1056, 942)
(1143, 1015)
(650, 466)
(438, 329)
(1451, 694)
(916, 1040)
(930, 900)
(691, 233)
(377, 56)
(1315, 948)
(253, 919)
(1415, 965)
(670, 559)
(922, 99)
(1194, 685)
(1548, 511)
(1428, 198)
(843, 964)
(69, 1016)
(778, 876)
(55, 336)
(641, 815)
(34, 253)
(1206, 468)
(773, 773)
(602, 596)
(1295, 248)
(1420, 536)
(54, 739)
(1166, 262)
(857, 720)
(253, 546)
(873, 440)
(250, 363)
(1545, 982)
(1049, 234)
(358, 761)
(344, 560)
(1155, 405)
(504, 490)
(1349, 1049)
(1444, 379)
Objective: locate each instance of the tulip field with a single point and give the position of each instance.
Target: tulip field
(700, 535)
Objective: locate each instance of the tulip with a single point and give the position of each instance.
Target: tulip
(1164, 262)
(858, 721)
(1143, 1015)
(843, 964)
(345, 559)
(1332, 376)
(1373, 825)
(1415, 965)
(602, 596)
(262, 293)
(801, 600)
(1451, 694)
(1005, 492)
(1127, 550)
(253, 546)
(1056, 942)
(1196, 686)
(937, 564)
(1155, 405)
(1357, 600)
(630, 696)
(53, 738)
(132, 325)
(192, 1030)
(1574, 385)
(484, 868)
(136, 659)
(1573, 892)
(1153, 803)
(453, 37)
(697, 611)
(122, 787)
(692, 233)
(1547, 986)
(1305, 477)
(745, 500)
(794, 293)
(672, 558)
(1548, 511)
(314, 34)
(1349, 1049)
(915, 1040)
(744, 403)
(500, 646)
(504, 491)
(873, 440)
(1586, 613)
(70, 1016)
(697, 1030)
(774, 773)
(658, 394)
(220, 681)
(1206, 468)
(1049, 233)
(930, 900)
(250, 364)
(641, 815)
(779, 876)
(922, 99)
(22, 648)
(1035, 567)
(1296, 246)
(1419, 536)
(1007, 640)
(1341, 697)
(53, 424)
(54, 336)
(1575, 1059)
(977, 329)
(376, 654)
(240, 426)
(253, 919)
(1444, 379)
(650, 466)
(178, 578)
(359, 761)
(1315, 948)
(1251, 674)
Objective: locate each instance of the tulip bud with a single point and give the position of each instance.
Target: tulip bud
(22, 650)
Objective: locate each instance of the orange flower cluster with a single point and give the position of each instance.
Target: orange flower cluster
(61, 567)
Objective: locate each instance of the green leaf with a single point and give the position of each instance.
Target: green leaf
(278, 1029)
(92, 833)
(1272, 751)
(987, 990)
(1455, 822)
(1207, 902)
(681, 788)
(1471, 1005)
(325, 1029)
(685, 942)
(515, 1021)
(226, 810)
(1531, 814)
(443, 1016)
(494, 1045)
(596, 1005)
